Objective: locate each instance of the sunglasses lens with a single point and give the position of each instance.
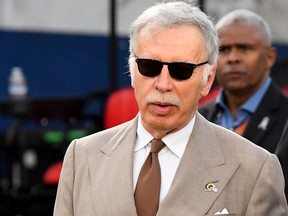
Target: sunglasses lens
(180, 71)
(177, 70)
(149, 67)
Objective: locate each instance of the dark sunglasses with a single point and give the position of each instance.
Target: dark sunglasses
(177, 70)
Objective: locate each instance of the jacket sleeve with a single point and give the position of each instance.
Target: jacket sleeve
(64, 198)
(268, 195)
(281, 152)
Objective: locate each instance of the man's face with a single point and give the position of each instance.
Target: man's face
(167, 105)
(244, 60)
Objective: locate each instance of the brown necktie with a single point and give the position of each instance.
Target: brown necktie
(147, 191)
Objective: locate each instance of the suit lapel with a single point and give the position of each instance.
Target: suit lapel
(202, 163)
(111, 174)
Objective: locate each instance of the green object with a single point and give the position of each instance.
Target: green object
(54, 136)
(74, 134)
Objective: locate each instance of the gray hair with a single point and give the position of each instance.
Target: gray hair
(247, 17)
(166, 15)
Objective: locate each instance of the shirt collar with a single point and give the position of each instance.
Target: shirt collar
(252, 103)
(176, 142)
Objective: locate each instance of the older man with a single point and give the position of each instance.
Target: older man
(169, 160)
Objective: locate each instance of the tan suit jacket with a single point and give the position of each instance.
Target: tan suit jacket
(96, 178)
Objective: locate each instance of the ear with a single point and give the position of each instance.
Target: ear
(271, 57)
(210, 79)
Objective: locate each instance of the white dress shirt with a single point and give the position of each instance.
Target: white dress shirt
(169, 157)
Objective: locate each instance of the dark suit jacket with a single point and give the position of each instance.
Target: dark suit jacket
(274, 107)
(282, 153)
(97, 176)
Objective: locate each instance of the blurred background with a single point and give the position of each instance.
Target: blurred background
(60, 62)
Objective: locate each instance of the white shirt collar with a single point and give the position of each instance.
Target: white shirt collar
(176, 142)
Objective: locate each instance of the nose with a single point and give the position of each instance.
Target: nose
(233, 56)
(164, 82)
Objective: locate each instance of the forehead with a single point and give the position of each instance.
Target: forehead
(240, 34)
(171, 42)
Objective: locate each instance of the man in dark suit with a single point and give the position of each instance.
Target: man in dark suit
(249, 103)
(202, 169)
(282, 153)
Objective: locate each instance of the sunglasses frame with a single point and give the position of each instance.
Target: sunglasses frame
(172, 72)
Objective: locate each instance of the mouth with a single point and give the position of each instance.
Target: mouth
(162, 108)
(234, 74)
(162, 104)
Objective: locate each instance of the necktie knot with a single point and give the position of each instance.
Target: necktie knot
(157, 145)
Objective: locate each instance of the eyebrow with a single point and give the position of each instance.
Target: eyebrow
(244, 44)
(236, 45)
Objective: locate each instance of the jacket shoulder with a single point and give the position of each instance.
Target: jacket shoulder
(102, 137)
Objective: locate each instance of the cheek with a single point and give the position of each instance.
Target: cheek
(142, 88)
(218, 76)
(187, 109)
(221, 61)
(254, 69)
(219, 70)
(139, 95)
(191, 97)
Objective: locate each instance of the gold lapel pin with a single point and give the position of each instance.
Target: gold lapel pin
(211, 187)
